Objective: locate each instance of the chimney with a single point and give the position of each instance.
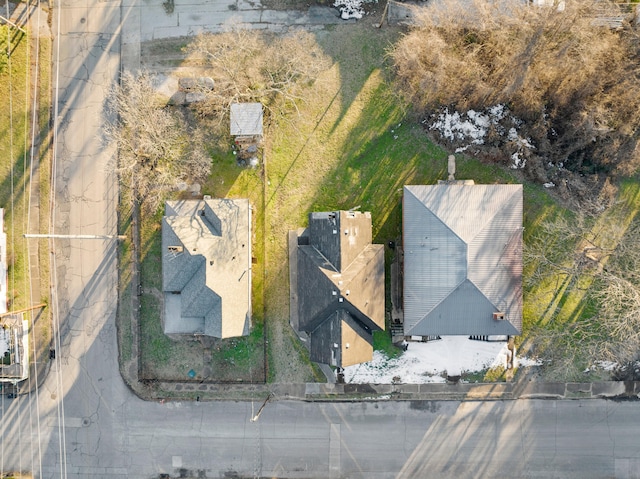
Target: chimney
(451, 167)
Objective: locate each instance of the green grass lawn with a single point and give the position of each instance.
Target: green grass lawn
(14, 151)
(15, 171)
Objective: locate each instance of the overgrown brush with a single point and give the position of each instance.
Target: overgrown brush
(573, 81)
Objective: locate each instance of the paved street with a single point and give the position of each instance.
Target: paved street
(525, 438)
(85, 423)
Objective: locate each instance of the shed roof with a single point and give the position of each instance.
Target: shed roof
(206, 267)
(246, 119)
(340, 286)
(462, 259)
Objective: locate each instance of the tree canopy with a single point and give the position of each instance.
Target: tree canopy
(256, 66)
(570, 78)
(158, 151)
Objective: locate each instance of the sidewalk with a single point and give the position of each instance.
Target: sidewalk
(392, 392)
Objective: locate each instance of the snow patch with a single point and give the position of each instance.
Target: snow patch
(606, 365)
(431, 362)
(472, 127)
(350, 8)
(518, 161)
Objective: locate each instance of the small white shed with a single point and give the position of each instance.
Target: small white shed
(246, 119)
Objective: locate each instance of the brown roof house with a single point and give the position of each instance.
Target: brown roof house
(206, 267)
(340, 287)
(462, 248)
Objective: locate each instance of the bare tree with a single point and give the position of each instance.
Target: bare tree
(256, 66)
(595, 259)
(572, 79)
(157, 150)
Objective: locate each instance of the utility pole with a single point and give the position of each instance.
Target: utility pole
(23, 310)
(13, 24)
(257, 416)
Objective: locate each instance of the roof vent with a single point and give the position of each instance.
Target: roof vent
(175, 249)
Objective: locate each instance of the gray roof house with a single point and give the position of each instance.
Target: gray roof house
(246, 119)
(340, 287)
(462, 248)
(206, 267)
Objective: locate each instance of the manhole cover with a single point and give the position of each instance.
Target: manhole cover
(86, 422)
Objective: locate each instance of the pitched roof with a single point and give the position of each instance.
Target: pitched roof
(246, 119)
(206, 261)
(462, 259)
(340, 286)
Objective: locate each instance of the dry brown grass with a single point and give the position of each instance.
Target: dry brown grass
(574, 83)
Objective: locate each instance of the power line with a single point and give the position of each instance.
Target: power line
(11, 295)
(10, 22)
(56, 308)
(25, 204)
(34, 115)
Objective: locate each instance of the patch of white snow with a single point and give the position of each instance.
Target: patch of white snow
(430, 362)
(350, 8)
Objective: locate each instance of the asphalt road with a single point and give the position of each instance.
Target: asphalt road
(447, 439)
(84, 422)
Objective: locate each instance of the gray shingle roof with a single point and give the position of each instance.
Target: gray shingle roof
(206, 267)
(340, 287)
(246, 119)
(462, 259)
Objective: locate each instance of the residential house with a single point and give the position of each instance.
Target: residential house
(462, 246)
(206, 267)
(340, 287)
